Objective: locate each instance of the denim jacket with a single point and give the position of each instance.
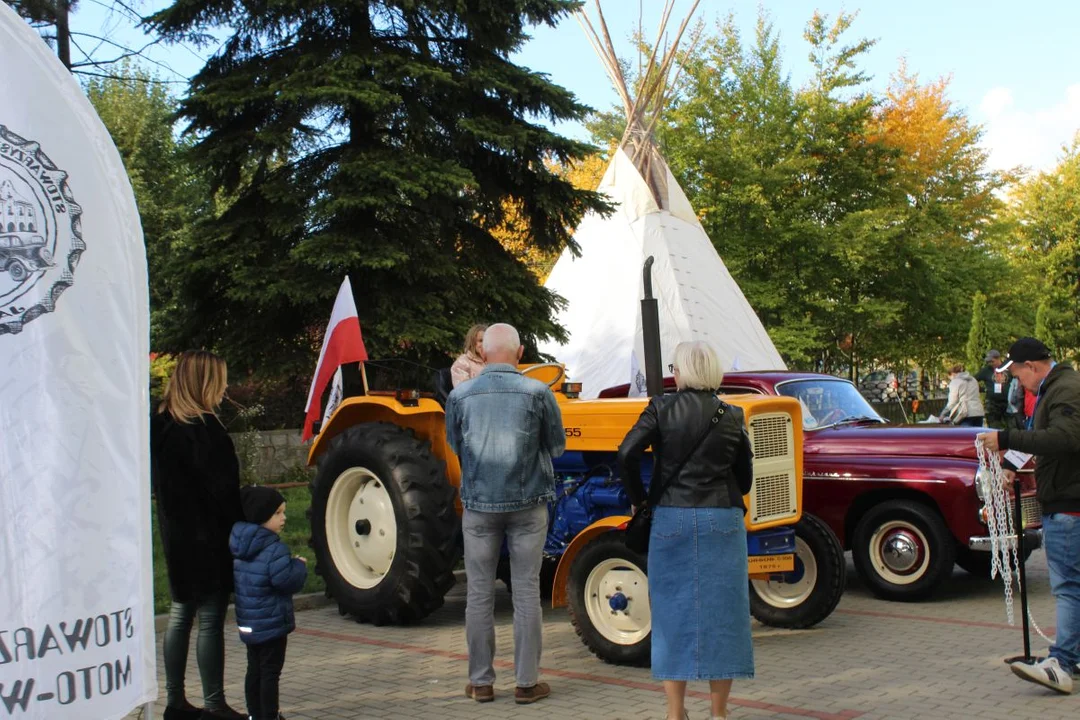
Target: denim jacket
(505, 428)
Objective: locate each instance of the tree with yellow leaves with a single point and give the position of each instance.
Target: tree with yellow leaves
(514, 233)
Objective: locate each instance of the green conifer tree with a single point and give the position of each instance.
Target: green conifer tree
(383, 139)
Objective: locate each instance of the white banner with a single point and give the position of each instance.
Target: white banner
(76, 595)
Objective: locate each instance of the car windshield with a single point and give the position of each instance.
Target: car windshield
(827, 402)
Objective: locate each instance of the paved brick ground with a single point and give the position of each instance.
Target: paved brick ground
(871, 659)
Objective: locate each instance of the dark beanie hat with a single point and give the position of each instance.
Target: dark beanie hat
(260, 503)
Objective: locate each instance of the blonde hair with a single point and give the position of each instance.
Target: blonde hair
(699, 367)
(196, 387)
(470, 338)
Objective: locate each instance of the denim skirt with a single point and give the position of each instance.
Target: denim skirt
(698, 589)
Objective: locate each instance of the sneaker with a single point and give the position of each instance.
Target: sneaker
(480, 693)
(524, 696)
(1047, 673)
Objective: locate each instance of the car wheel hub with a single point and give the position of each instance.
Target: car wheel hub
(361, 527)
(617, 601)
(899, 552)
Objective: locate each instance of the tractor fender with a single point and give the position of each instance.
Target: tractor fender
(426, 419)
(562, 573)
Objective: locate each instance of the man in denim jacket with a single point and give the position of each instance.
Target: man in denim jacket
(505, 428)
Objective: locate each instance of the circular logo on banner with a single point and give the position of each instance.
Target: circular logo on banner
(40, 232)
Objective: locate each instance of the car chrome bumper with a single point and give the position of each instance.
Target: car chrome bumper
(1032, 540)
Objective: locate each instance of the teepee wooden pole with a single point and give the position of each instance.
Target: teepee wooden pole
(611, 63)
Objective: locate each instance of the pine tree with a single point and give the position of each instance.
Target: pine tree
(383, 139)
(978, 337)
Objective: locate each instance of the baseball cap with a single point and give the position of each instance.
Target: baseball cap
(992, 355)
(1026, 349)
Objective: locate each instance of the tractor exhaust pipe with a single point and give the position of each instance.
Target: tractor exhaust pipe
(650, 334)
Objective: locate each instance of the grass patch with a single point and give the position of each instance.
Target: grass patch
(296, 534)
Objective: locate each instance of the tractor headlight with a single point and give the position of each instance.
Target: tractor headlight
(571, 389)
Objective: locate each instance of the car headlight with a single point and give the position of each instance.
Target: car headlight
(982, 482)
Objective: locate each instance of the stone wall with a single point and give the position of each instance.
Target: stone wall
(271, 455)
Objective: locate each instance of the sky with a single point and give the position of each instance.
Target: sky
(1014, 66)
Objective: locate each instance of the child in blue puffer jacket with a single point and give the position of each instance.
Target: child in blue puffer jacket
(266, 578)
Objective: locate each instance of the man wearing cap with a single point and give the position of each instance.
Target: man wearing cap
(996, 384)
(1053, 436)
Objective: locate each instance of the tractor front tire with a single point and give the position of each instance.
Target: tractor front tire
(608, 592)
(383, 525)
(807, 595)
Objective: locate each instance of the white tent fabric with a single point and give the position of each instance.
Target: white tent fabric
(76, 594)
(697, 297)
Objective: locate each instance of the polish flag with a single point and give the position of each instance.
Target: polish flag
(342, 344)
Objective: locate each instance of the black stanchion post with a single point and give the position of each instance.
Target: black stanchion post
(1018, 512)
(1020, 569)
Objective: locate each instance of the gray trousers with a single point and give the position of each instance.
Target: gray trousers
(525, 531)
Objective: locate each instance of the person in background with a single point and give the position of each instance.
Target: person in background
(964, 406)
(997, 388)
(196, 479)
(266, 579)
(1030, 399)
(471, 361)
(505, 428)
(698, 566)
(1054, 440)
(1015, 415)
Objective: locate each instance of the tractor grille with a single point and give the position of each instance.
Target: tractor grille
(770, 436)
(1031, 511)
(772, 497)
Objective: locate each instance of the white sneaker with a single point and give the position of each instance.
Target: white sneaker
(1047, 673)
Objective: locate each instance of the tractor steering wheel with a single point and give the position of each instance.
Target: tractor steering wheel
(539, 366)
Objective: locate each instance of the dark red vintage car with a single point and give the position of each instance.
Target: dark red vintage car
(903, 499)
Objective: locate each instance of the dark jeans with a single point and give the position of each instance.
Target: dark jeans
(265, 661)
(975, 421)
(209, 649)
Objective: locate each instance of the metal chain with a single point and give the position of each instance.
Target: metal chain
(1000, 520)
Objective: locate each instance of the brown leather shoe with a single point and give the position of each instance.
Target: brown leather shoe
(524, 696)
(480, 693)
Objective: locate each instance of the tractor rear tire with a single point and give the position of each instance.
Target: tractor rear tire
(605, 568)
(383, 525)
(810, 593)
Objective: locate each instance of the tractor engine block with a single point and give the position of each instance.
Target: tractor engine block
(586, 490)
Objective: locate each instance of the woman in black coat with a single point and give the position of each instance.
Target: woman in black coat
(698, 574)
(196, 479)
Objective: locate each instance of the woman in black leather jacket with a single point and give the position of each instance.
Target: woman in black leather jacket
(697, 548)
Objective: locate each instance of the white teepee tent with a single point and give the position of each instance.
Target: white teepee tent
(698, 298)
